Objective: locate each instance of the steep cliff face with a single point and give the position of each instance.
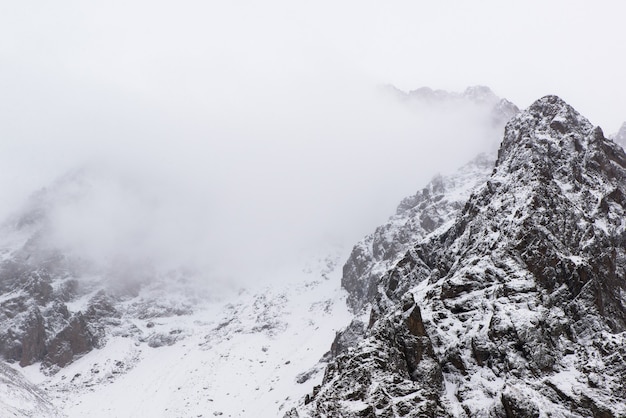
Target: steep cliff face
(518, 307)
(429, 209)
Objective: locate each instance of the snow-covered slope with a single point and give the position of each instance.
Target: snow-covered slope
(517, 309)
(20, 398)
(162, 354)
(245, 358)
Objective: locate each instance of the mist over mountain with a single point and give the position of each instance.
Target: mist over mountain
(110, 264)
(300, 209)
(493, 290)
(274, 191)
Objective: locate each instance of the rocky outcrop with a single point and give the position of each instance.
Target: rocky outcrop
(348, 338)
(521, 298)
(33, 344)
(53, 308)
(36, 324)
(73, 340)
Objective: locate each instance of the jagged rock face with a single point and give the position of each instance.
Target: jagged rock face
(35, 319)
(37, 282)
(522, 306)
(31, 310)
(347, 338)
(76, 338)
(396, 361)
(33, 345)
(52, 314)
(416, 217)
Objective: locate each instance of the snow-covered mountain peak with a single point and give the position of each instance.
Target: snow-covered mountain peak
(548, 117)
(497, 290)
(551, 143)
(432, 207)
(516, 307)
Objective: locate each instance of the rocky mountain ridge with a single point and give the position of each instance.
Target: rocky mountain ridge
(515, 309)
(416, 217)
(431, 207)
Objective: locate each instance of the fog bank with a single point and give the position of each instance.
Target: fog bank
(231, 139)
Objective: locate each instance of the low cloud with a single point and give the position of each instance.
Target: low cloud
(240, 195)
(194, 144)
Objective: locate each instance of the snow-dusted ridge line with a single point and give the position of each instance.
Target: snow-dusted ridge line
(517, 309)
(427, 212)
(430, 208)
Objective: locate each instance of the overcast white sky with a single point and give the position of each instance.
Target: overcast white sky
(165, 50)
(263, 113)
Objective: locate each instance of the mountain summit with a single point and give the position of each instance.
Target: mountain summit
(517, 307)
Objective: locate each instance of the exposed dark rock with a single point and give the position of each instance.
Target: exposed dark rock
(33, 344)
(347, 338)
(156, 340)
(414, 322)
(75, 339)
(306, 376)
(518, 406)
